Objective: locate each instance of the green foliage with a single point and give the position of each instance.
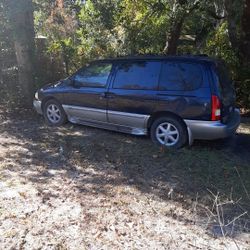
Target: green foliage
(243, 93)
(95, 34)
(143, 27)
(83, 30)
(243, 87)
(218, 45)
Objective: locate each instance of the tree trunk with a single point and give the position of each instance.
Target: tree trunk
(20, 14)
(180, 11)
(245, 38)
(173, 37)
(231, 14)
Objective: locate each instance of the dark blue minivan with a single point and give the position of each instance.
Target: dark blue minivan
(174, 99)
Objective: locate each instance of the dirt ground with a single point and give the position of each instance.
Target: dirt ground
(76, 187)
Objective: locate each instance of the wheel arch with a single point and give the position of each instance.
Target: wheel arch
(46, 99)
(157, 115)
(160, 114)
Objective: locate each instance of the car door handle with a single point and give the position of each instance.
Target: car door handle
(102, 95)
(110, 95)
(107, 95)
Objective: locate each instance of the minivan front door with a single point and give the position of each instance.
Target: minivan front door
(133, 94)
(84, 99)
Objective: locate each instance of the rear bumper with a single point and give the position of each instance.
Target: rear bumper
(38, 106)
(211, 130)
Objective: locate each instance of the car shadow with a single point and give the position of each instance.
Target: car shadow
(238, 144)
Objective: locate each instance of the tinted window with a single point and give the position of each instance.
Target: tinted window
(95, 75)
(180, 76)
(137, 75)
(225, 82)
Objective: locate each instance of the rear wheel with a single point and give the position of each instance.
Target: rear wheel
(54, 114)
(168, 132)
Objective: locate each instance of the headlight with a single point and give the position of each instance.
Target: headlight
(36, 95)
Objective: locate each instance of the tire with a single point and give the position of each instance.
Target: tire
(54, 114)
(169, 132)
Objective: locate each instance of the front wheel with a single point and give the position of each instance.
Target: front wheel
(54, 114)
(168, 132)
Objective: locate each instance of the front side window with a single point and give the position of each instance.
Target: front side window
(177, 76)
(141, 75)
(94, 75)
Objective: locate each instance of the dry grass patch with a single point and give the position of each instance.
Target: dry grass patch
(81, 188)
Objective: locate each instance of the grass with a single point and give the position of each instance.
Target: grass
(215, 169)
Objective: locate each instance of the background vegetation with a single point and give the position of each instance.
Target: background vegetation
(60, 184)
(45, 40)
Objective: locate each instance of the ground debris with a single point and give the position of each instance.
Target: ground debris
(78, 197)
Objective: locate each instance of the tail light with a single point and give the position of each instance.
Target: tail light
(216, 108)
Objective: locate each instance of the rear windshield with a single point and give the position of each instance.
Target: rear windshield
(225, 85)
(225, 80)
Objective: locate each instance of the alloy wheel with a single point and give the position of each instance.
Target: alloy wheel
(167, 134)
(53, 113)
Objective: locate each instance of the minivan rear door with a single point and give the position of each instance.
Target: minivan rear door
(225, 90)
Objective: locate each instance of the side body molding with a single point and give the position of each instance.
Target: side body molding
(122, 121)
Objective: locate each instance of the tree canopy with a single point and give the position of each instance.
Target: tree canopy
(77, 31)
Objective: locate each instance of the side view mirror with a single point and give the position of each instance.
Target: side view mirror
(72, 81)
(76, 84)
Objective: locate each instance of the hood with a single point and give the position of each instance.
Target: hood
(52, 85)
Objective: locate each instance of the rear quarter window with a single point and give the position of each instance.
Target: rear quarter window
(178, 76)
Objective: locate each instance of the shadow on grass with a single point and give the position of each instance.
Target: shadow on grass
(97, 159)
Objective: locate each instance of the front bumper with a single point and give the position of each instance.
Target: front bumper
(211, 130)
(38, 106)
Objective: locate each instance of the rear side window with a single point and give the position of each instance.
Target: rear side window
(177, 76)
(140, 75)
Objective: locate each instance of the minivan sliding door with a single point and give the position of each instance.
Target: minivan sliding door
(132, 96)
